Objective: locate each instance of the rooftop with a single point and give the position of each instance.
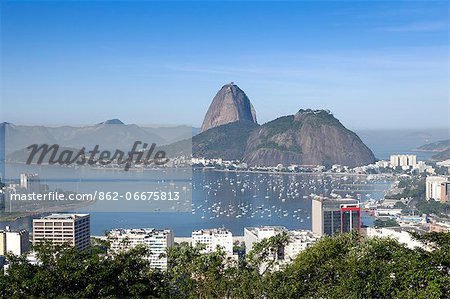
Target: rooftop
(137, 231)
(64, 216)
(211, 231)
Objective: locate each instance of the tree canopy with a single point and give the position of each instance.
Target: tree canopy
(345, 266)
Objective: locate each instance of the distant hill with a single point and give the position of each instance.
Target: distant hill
(310, 137)
(442, 156)
(438, 146)
(109, 135)
(22, 155)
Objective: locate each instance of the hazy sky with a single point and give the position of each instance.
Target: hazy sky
(373, 64)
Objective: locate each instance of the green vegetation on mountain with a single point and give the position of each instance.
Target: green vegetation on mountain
(437, 146)
(310, 137)
(226, 141)
(442, 149)
(442, 156)
(346, 266)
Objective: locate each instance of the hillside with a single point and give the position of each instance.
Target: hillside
(441, 156)
(309, 137)
(226, 141)
(437, 146)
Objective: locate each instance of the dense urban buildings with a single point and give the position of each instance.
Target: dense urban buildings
(213, 238)
(437, 188)
(73, 229)
(334, 216)
(157, 240)
(15, 242)
(403, 160)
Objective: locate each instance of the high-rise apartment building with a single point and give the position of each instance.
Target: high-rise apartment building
(445, 192)
(73, 229)
(299, 240)
(334, 216)
(434, 186)
(15, 242)
(213, 238)
(403, 160)
(257, 234)
(157, 241)
(30, 182)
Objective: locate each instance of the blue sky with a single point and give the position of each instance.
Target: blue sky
(373, 64)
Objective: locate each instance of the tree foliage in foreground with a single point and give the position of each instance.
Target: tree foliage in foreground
(335, 267)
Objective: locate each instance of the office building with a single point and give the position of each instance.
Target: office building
(15, 242)
(73, 229)
(157, 240)
(213, 238)
(334, 216)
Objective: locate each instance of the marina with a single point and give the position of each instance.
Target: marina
(243, 199)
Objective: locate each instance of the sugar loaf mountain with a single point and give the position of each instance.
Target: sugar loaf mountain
(309, 137)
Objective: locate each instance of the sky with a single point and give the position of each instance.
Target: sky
(374, 64)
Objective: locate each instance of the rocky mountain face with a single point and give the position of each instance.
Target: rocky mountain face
(229, 105)
(227, 141)
(310, 137)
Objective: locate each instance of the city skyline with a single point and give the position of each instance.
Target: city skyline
(374, 65)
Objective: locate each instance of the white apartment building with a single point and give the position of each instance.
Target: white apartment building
(72, 229)
(299, 240)
(421, 167)
(382, 164)
(401, 234)
(257, 234)
(15, 242)
(157, 240)
(30, 182)
(434, 187)
(403, 160)
(213, 238)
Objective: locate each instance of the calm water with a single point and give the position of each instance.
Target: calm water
(237, 200)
